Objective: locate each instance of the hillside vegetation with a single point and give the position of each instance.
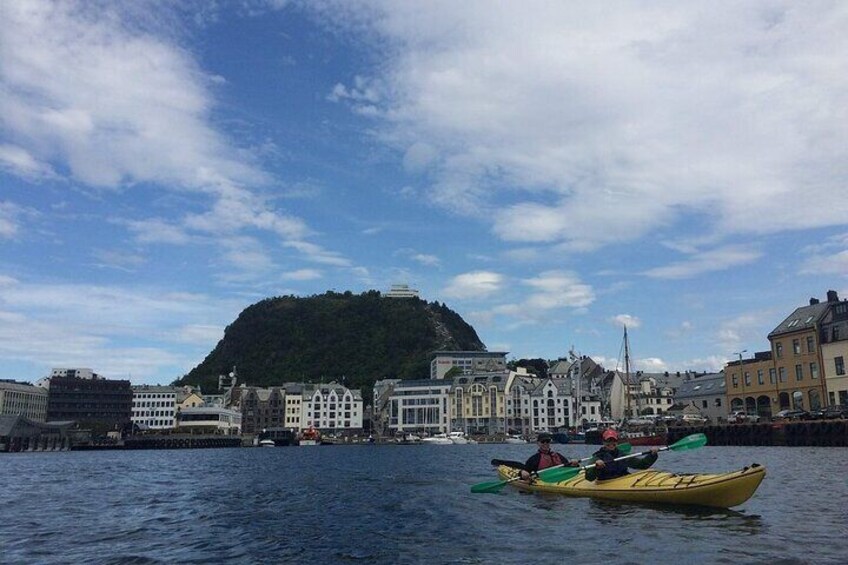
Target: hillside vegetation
(334, 336)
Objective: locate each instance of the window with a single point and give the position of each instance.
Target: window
(814, 370)
(772, 376)
(782, 374)
(735, 381)
(704, 403)
(747, 378)
(796, 346)
(840, 365)
(835, 333)
(799, 372)
(760, 379)
(778, 349)
(718, 402)
(811, 344)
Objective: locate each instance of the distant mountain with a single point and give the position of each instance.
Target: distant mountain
(361, 338)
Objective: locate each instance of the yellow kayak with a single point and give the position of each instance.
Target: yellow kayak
(722, 490)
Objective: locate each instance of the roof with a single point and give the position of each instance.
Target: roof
(711, 384)
(803, 318)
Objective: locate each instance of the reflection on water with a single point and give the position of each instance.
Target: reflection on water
(376, 504)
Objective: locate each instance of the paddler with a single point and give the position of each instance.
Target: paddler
(544, 457)
(605, 468)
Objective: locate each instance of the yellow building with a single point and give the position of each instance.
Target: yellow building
(478, 402)
(790, 376)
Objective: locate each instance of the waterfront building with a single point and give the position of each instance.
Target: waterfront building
(23, 399)
(834, 344)
(401, 291)
(19, 433)
(467, 361)
(96, 403)
(478, 402)
(209, 420)
(792, 373)
(382, 392)
(707, 392)
(154, 407)
(261, 408)
(332, 407)
(78, 372)
(420, 406)
(645, 394)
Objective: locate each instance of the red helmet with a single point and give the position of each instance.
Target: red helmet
(610, 434)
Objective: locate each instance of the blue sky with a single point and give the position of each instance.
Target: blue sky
(551, 171)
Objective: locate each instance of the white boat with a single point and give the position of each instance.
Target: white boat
(267, 443)
(515, 439)
(437, 439)
(458, 438)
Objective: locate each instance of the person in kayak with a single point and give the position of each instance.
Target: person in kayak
(544, 458)
(605, 468)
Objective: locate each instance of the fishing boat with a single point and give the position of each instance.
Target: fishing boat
(722, 490)
(633, 430)
(309, 436)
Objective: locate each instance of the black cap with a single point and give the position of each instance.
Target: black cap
(543, 435)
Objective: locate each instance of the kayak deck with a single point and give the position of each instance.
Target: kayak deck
(721, 490)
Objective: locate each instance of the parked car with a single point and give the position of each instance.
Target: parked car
(792, 415)
(693, 419)
(742, 417)
(830, 413)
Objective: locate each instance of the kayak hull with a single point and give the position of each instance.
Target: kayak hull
(722, 490)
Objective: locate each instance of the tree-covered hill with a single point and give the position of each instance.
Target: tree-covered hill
(361, 338)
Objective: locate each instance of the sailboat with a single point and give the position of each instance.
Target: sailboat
(636, 434)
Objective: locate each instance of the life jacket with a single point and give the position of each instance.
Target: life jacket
(549, 459)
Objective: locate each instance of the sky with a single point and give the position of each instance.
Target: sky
(551, 171)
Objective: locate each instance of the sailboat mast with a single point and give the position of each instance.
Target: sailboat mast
(627, 412)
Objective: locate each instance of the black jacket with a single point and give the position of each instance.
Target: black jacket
(613, 469)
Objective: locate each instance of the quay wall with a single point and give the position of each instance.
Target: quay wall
(823, 433)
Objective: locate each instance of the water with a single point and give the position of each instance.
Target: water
(399, 504)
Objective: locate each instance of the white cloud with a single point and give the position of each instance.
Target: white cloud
(156, 230)
(828, 258)
(427, 260)
(302, 275)
(606, 126)
(9, 220)
(622, 320)
(20, 162)
(706, 262)
(558, 289)
(477, 284)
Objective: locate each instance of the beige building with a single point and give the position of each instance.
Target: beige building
(834, 340)
(22, 399)
(793, 374)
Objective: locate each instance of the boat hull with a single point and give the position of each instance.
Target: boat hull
(722, 490)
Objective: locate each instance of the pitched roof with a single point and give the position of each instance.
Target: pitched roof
(802, 318)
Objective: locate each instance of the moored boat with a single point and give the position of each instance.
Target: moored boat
(267, 443)
(515, 439)
(458, 438)
(721, 490)
(309, 436)
(437, 439)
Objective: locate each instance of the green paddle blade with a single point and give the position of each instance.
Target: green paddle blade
(559, 475)
(488, 487)
(693, 441)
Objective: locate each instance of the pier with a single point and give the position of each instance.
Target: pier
(822, 433)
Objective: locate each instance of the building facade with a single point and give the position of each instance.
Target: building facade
(154, 407)
(834, 340)
(96, 403)
(23, 399)
(211, 419)
(467, 361)
(707, 392)
(419, 406)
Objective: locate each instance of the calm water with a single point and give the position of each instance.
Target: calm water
(399, 504)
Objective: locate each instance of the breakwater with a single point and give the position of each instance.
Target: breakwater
(818, 433)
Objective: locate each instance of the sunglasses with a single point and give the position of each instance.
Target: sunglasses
(544, 441)
(611, 440)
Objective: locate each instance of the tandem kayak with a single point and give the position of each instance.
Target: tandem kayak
(720, 490)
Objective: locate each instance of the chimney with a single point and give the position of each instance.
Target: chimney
(814, 301)
(832, 296)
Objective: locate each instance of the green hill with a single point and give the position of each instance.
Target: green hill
(361, 338)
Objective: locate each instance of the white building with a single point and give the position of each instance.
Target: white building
(401, 291)
(210, 420)
(22, 399)
(79, 373)
(468, 361)
(331, 407)
(154, 407)
(420, 406)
